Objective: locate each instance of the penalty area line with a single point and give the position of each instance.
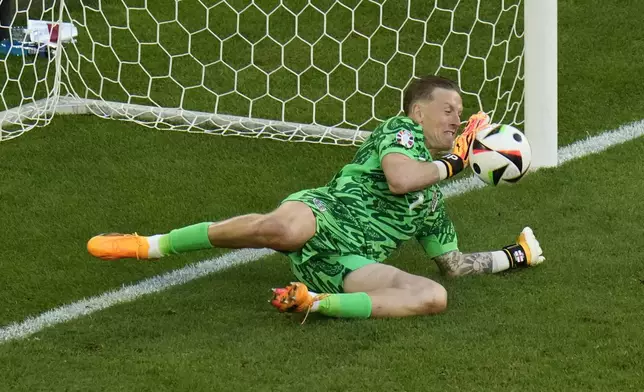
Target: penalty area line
(84, 307)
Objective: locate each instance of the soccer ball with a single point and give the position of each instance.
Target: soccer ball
(500, 153)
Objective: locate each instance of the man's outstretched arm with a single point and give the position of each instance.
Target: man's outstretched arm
(455, 263)
(526, 252)
(405, 174)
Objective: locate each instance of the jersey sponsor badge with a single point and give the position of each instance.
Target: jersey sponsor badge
(405, 138)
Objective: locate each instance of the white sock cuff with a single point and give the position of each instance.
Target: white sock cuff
(154, 252)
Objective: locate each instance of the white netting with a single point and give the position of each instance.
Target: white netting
(27, 81)
(315, 70)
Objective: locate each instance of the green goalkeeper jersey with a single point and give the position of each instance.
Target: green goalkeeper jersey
(388, 219)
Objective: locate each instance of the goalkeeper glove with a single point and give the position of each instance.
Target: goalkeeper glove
(526, 252)
(458, 158)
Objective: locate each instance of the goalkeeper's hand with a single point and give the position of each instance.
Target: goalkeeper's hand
(459, 157)
(463, 142)
(526, 252)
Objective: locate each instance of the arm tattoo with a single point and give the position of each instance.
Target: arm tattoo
(456, 263)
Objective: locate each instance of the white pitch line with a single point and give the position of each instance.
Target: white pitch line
(129, 293)
(601, 142)
(31, 325)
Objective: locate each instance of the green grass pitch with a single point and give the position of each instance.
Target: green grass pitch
(573, 323)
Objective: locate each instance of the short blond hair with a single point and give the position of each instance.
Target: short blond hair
(423, 87)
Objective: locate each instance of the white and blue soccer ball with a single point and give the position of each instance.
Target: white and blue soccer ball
(500, 153)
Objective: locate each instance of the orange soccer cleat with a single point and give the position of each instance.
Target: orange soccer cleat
(295, 297)
(115, 246)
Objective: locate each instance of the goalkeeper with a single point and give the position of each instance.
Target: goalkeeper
(338, 236)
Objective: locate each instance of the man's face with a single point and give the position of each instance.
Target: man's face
(439, 117)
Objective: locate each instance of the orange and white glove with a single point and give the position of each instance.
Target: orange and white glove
(458, 158)
(463, 142)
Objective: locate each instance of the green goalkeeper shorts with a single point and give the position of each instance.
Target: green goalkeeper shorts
(337, 248)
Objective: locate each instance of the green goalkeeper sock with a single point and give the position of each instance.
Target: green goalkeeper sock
(181, 240)
(350, 305)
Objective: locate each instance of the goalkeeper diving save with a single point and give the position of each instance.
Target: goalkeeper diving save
(338, 236)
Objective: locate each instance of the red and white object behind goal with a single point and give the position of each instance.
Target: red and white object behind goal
(51, 34)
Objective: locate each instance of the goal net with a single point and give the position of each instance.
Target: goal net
(317, 70)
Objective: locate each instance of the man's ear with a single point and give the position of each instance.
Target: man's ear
(417, 112)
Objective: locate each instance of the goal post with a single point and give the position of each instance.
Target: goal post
(324, 71)
(541, 80)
